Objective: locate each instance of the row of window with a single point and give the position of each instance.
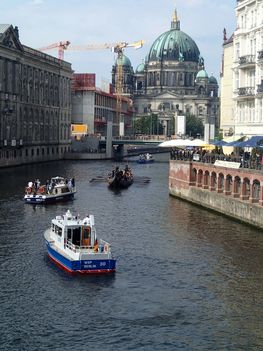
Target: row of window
(12, 154)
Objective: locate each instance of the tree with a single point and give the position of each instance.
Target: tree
(148, 124)
(194, 125)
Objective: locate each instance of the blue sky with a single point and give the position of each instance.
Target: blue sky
(43, 22)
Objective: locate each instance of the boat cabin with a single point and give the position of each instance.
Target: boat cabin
(74, 233)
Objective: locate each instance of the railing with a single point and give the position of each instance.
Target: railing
(245, 162)
(247, 59)
(246, 91)
(90, 249)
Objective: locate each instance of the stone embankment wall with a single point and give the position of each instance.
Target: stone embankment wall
(237, 193)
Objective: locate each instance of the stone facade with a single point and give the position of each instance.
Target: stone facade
(237, 193)
(35, 103)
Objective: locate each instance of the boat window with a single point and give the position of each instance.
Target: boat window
(53, 227)
(86, 233)
(58, 230)
(69, 234)
(76, 236)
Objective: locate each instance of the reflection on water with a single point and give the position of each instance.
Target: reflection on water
(186, 278)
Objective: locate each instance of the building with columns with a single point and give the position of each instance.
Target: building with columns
(35, 102)
(227, 103)
(247, 72)
(173, 80)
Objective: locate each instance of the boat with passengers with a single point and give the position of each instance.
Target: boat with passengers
(120, 178)
(72, 244)
(145, 158)
(56, 189)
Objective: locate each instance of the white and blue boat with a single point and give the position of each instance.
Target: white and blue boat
(145, 158)
(73, 245)
(55, 190)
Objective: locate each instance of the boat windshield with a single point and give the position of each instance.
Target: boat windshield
(73, 234)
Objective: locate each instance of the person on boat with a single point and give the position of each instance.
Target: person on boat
(96, 246)
(73, 182)
(69, 184)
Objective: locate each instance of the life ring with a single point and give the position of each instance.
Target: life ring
(42, 189)
(106, 248)
(28, 190)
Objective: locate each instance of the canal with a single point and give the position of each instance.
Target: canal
(186, 278)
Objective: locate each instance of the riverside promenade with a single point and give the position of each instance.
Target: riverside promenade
(220, 185)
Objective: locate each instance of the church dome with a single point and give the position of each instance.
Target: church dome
(140, 68)
(212, 80)
(202, 75)
(123, 61)
(174, 45)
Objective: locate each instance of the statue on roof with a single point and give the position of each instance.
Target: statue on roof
(224, 35)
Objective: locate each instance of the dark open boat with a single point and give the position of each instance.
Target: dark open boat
(120, 179)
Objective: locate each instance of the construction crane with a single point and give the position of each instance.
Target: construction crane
(117, 48)
(62, 45)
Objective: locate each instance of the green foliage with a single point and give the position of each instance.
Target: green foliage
(194, 125)
(148, 125)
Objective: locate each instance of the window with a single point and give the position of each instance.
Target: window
(237, 51)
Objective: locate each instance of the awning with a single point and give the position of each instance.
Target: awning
(220, 143)
(183, 142)
(252, 142)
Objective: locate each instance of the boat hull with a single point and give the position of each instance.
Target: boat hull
(119, 184)
(144, 161)
(47, 199)
(92, 266)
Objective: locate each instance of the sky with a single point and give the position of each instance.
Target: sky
(44, 22)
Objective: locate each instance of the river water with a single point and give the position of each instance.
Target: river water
(187, 278)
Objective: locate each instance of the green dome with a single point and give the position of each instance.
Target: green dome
(123, 61)
(140, 68)
(174, 45)
(212, 80)
(202, 74)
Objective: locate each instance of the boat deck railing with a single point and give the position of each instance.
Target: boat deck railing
(103, 246)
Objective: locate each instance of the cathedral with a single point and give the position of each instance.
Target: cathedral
(172, 81)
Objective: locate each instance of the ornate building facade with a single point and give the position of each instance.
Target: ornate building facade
(35, 102)
(173, 81)
(247, 66)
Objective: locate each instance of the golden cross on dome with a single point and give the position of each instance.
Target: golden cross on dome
(175, 17)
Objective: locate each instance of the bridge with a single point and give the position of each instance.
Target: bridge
(153, 142)
(92, 147)
(126, 147)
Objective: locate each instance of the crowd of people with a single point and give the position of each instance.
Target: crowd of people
(253, 159)
(35, 187)
(118, 173)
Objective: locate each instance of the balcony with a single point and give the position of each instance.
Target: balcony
(247, 61)
(246, 92)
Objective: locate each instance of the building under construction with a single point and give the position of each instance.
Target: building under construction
(94, 107)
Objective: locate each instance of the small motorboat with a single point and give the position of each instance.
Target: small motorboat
(120, 179)
(73, 245)
(145, 158)
(57, 189)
